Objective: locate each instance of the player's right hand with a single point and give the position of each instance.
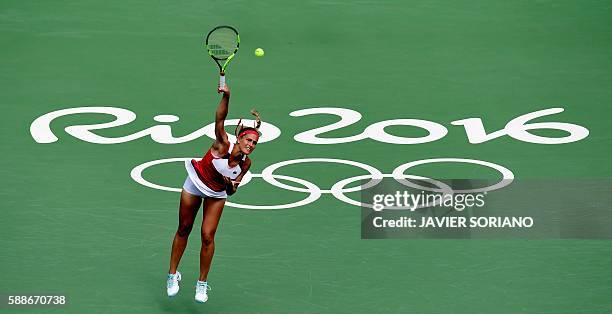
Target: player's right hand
(225, 89)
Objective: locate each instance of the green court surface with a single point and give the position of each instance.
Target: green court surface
(75, 222)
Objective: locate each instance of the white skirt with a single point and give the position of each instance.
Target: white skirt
(193, 184)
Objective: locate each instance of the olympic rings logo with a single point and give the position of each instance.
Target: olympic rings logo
(339, 189)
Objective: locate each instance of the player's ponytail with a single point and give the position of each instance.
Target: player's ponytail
(240, 127)
(257, 118)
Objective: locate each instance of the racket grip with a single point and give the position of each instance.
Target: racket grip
(222, 80)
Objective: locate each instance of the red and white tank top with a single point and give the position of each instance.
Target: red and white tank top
(211, 169)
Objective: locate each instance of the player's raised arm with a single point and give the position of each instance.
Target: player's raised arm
(221, 114)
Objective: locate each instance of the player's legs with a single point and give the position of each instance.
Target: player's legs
(188, 209)
(213, 207)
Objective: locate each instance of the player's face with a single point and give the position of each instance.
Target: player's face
(247, 143)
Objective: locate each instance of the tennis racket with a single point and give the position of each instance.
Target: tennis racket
(222, 44)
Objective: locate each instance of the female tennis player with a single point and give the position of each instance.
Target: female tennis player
(210, 180)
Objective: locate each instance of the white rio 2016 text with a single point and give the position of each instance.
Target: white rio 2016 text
(518, 128)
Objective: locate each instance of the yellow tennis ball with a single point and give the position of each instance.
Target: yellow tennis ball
(259, 52)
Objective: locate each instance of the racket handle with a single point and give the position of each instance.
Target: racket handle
(222, 80)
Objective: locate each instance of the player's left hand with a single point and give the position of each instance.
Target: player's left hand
(230, 186)
(227, 180)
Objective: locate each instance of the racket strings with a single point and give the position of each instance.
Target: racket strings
(222, 43)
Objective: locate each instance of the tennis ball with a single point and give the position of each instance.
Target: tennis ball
(259, 52)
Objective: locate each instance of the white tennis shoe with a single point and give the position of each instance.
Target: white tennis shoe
(172, 284)
(202, 288)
